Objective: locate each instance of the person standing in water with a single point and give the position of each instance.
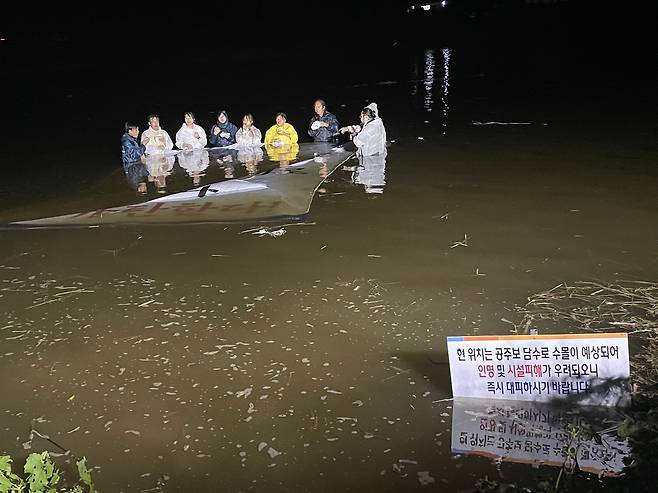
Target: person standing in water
(248, 135)
(190, 136)
(281, 133)
(324, 125)
(156, 139)
(370, 136)
(222, 134)
(131, 150)
(281, 141)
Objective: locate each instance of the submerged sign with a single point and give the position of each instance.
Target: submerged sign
(589, 369)
(535, 433)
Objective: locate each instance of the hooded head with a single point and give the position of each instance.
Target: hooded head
(222, 123)
(367, 115)
(373, 107)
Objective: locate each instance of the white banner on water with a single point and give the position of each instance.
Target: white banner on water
(591, 369)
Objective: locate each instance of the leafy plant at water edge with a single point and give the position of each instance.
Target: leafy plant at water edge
(41, 476)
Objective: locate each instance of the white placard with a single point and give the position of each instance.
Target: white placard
(589, 369)
(532, 433)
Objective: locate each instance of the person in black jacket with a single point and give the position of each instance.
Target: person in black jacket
(222, 134)
(131, 150)
(324, 125)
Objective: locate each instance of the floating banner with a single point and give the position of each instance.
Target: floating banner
(535, 433)
(281, 193)
(587, 369)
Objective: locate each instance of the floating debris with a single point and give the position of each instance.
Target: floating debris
(501, 123)
(424, 478)
(463, 243)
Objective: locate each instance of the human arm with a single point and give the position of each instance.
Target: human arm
(203, 140)
(313, 132)
(232, 130)
(241, 137)
(258, 137)
(131, 151)
(168, 142)
(353, 129)
(271, 135)
(292, 133)
(332, 124)
(180, 140)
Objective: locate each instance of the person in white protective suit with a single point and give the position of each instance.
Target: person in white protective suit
(190, 136)
(370, 136)
(156, 139)
(248, 135)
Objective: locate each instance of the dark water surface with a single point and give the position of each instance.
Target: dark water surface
(219, 360)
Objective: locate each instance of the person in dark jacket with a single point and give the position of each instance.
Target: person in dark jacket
(131, 150)
(222, 134)
(324, 125)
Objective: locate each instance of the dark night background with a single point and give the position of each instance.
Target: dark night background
(88, 51)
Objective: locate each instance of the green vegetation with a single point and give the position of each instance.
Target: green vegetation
(41, 476)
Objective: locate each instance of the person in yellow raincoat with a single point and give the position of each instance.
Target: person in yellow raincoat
(281, 140)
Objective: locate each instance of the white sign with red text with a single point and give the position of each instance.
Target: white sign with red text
(589, 369)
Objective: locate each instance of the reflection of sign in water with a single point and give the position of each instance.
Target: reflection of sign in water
(531, 432)
(592, 369)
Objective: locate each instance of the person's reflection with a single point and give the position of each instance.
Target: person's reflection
(250, 156)
(323, 171)
(159, 166)
(229, 170)
(283, 154)
(226, 159)
(251, 167)
(370, 173)
(137, 176)
(194, 163)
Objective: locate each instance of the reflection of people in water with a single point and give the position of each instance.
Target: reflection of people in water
(370, 173)
(156, 139)
(283, 154)
(370, 136)
(323, 171)
(131, 150)
(194, 162)
(226, 159)
(229, 170)
(190, 135)
(159, 166)
(250, 156)
(137, 175)
(251, 167)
